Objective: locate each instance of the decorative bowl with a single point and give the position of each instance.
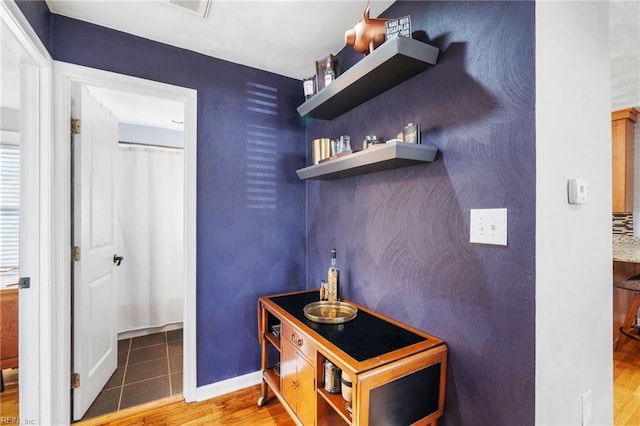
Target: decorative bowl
(330, 312)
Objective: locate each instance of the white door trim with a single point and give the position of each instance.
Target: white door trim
(66, 74)
(36, 134)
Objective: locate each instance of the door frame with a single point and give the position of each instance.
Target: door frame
(65, 75)
(35, 242)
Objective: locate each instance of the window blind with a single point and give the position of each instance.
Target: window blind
(9, 205)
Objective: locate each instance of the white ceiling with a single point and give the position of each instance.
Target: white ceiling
(141, 110)
(285, 37)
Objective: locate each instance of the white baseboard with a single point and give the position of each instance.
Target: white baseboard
(230, 385)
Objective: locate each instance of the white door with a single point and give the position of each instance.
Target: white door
(94, 279)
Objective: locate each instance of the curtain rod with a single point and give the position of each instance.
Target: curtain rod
(179, 148)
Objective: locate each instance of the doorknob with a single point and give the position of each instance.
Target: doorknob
(117, 259)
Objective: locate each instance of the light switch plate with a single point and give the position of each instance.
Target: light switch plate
(488, 226)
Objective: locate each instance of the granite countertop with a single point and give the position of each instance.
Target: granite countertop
(626, 249)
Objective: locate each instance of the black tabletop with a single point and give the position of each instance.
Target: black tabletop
(363, 338)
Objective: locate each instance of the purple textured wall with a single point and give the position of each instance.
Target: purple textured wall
(38, 15)
(250, 207)
(403, 235)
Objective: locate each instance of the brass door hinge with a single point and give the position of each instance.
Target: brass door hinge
(75, 254)
(75, 126)
(75, 380)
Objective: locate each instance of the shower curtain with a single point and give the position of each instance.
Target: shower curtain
(149, 226)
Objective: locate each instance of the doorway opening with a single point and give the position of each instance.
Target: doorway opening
(141, 200)
(9, 227)
(23, 131)
(68, 78)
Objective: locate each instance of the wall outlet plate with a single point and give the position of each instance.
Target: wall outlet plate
(586, 408)
(488, 226)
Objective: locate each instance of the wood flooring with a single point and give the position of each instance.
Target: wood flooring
(9, 398)
(626, 384)
(240, 408)
(234, 409)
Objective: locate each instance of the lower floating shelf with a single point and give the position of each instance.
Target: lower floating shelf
(388, 156)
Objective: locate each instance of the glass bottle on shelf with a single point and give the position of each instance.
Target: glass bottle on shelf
(329, 74)
(333, 279)
(309, 85)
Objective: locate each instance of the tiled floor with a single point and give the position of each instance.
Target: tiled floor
(149, 368)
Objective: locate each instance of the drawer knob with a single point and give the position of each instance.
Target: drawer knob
(296, 340)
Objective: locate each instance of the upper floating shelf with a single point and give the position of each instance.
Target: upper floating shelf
(393, 62)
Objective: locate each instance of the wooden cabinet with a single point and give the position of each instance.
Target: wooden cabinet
(622, 153)
(298, 387)
(398, 373)
(410, 388)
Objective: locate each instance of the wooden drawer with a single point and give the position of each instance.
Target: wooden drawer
(298, 339)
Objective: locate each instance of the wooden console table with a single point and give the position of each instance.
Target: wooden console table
(398, 373)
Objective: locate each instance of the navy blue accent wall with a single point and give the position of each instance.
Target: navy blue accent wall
(37, 13)
(250, 208)
(403, 235)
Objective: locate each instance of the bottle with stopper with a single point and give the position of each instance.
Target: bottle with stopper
(329, 74)
(333, 279)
